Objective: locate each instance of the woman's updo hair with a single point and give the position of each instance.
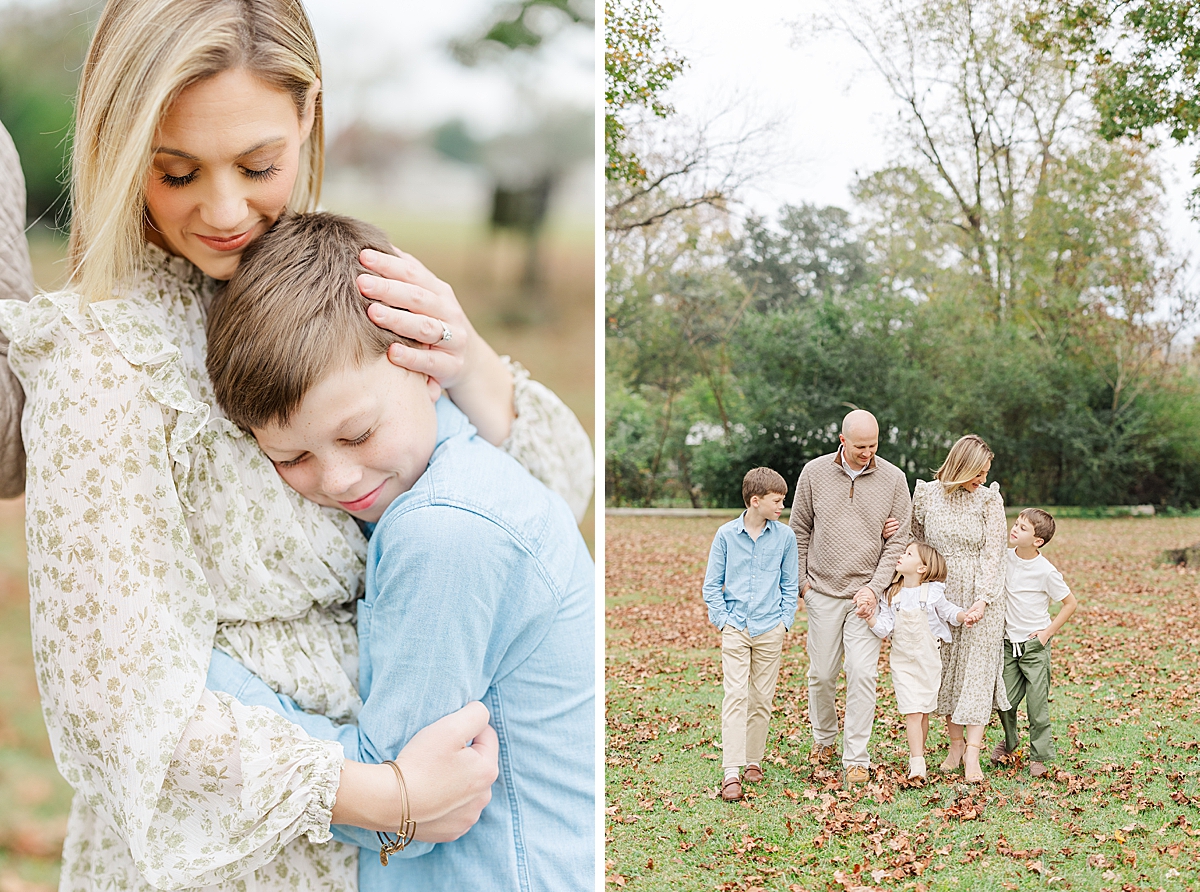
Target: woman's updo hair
(966, 460)
(143, 55)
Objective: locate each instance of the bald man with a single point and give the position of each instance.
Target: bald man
(843, 500)
(16, 281)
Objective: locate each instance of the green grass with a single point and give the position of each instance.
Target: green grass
(1119, 813)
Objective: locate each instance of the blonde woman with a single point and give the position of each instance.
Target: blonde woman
(964, 520)
(157, 529)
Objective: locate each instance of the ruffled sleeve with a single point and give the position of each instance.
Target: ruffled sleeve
(990, 577)
(550, 442)
(919, 502)
(201, 788)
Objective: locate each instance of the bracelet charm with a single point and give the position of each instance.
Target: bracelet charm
(408, 827)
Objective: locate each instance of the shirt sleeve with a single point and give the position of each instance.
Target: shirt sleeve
(487, 618)
(893, 547)
(16, 283)
(885, 620)
(202, 788)
(714, 582)
(801, 521)
(942, 605)
(1056, 586)
(548, 440)
(917, 515)
(991, 556)
(789, 583)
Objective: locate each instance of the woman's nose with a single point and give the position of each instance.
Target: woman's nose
(225, 208)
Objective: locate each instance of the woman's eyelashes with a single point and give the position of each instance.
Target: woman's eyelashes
(251, 173)
(358, 441)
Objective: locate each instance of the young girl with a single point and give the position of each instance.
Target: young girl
(914, 611)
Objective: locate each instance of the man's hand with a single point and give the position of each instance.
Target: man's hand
(890, 526)
(804, 589)
(864, 602)
(1042, 635)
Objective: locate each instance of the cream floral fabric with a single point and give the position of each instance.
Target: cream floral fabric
(969, 530)
(156, 528)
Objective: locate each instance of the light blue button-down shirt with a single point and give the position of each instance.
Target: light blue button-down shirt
(479, 587)
(752, 584)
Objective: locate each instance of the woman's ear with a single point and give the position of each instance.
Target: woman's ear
(309, 115)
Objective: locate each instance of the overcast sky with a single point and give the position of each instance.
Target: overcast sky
(835, 112)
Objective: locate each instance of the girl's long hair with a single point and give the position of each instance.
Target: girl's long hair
(143, 55)
(935, 570)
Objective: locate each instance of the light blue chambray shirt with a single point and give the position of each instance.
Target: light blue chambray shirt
(752, 584)
(479, 587)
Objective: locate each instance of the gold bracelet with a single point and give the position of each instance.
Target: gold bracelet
(408, 827)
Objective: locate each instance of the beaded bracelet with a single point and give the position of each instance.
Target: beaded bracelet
(408, 828)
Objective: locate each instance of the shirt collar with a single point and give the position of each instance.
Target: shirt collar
(839, 458)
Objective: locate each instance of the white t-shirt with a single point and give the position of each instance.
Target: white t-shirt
(1031, 586)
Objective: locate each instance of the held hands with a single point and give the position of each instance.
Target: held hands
(864, 603)
(409, 300)
(890, 526)
(975, 614)
(449, 768)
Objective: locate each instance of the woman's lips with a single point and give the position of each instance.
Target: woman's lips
(227, 244)
(365, 502)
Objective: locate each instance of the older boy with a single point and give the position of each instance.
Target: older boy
(751, 590)
(1032, 582)
(479, 585)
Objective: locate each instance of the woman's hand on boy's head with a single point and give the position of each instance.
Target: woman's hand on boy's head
(414, 303)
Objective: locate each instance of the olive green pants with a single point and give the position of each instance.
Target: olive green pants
(1028, 677)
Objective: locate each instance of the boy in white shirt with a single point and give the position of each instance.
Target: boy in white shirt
(1032, 582)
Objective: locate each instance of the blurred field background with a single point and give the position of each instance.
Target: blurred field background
(464, 130)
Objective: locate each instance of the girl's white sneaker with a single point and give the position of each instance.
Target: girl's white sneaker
(916, 766)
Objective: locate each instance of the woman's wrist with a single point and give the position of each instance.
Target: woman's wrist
(368, 796)
(484, 392)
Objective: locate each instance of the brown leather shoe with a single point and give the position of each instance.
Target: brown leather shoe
(821, 755)
(857, 775)
(731, 789)
(999, 753)
(1038, 769)
(752, 775)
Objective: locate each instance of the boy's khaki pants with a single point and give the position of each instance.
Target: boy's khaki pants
(836, 635)
(751, 668)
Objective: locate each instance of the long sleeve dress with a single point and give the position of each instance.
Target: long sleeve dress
(156, 528)
(968, 529)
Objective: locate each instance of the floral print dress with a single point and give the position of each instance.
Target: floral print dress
(969, 530)
(156, 528)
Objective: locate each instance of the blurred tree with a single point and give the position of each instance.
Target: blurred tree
(523, 25)
(41, 53)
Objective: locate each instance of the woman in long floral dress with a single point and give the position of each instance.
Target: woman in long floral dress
(964, 520)
(156, 528)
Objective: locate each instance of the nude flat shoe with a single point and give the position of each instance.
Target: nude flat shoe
(974, 774)
(954, 759)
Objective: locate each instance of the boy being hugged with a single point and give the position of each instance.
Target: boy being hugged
(751, 588)
(1032, 582)
(478, 583)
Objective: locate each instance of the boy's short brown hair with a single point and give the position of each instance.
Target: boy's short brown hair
(1041, 521)
(291, 315)
(761, 482)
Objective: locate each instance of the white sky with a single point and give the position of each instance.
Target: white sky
(835, 111)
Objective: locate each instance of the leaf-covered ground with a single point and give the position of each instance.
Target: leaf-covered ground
(1119, 811)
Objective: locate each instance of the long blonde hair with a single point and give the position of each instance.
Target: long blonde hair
(935, 569)
(965, 461)
(143, 54)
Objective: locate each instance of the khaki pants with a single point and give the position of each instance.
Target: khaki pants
(751, 668)
(836, 635)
